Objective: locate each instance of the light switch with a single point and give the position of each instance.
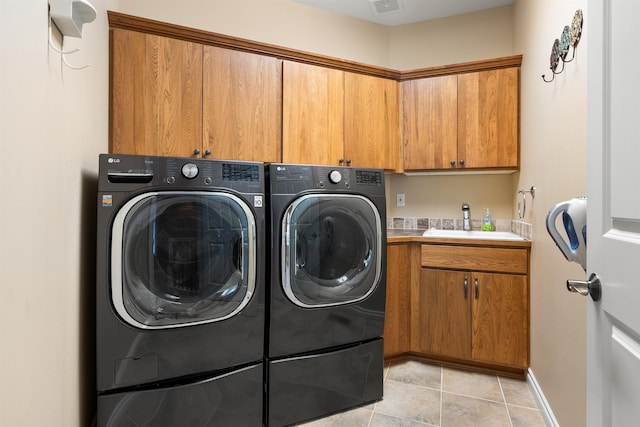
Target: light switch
(400, 199)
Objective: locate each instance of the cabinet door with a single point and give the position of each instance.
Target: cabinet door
(398, 306)
(312, 114)
(443, 319)
(371, 121)
(488, 115)
(429, 125)
(242, 95)
(156, 95)
(501, 319)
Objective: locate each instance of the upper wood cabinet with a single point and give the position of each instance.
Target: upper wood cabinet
(242, 101)
(178, 91)
(312, 114)
(156, 95)
(430, 108)
(371, 121)
(338, 118)
(465, 121)
(488, 116)
(177, 98)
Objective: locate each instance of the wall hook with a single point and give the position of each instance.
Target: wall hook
(570, 38)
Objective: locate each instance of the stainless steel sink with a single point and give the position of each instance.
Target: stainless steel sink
(474, 234)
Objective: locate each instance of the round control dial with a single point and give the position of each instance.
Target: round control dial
(335, 176)
(189, 170)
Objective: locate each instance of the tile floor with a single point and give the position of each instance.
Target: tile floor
(417, 394)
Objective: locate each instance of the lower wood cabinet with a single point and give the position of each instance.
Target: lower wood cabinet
(473, 316)
(397, 332)
(459, 304)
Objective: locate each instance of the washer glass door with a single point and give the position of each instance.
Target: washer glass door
(182, 258)
(331, 247)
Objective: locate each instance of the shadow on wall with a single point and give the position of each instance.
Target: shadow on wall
(87, 298)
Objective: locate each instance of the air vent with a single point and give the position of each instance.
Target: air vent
(381, 7)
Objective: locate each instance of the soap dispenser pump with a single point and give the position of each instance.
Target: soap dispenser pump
(486, 223)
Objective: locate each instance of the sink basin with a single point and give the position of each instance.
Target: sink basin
(474, 234)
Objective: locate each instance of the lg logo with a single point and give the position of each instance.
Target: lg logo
(112, 160)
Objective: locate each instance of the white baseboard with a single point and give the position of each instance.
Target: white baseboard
(538, 395)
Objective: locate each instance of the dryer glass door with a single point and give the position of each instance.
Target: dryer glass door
(332, 249)
(182, 258)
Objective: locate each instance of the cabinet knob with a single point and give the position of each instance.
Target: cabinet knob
(462, 162)
(341, 161)
(452, 162)
(348, 162)
(207, 152)
(196, 151)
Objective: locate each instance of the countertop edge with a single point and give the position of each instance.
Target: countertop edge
(458, 241)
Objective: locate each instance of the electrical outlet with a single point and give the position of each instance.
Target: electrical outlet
(400, 199)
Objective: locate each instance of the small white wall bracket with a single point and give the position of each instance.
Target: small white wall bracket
(70, 15)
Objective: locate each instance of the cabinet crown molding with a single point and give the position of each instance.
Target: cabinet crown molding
(159, 28)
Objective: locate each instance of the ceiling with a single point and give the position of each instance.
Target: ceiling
(400, 12)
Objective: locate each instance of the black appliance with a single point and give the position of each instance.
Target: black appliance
(326, 299)
(180, 292)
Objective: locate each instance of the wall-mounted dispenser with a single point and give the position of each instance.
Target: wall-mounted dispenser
(574, 219)
(70, 15)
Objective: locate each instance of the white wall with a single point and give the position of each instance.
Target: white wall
(279, 22)
(462, 38)
(53, 124)
(553, 139)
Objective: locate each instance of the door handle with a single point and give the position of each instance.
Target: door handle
(590, 287)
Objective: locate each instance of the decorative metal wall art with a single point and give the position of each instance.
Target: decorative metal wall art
(570, 37)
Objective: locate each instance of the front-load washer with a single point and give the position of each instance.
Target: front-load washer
(326, 298)
(180, 302)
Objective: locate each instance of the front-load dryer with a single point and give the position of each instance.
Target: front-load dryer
(180, 292)
(327, 293)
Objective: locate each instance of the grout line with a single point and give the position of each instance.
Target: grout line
(441, 391)
(474, 397)
(504, 398)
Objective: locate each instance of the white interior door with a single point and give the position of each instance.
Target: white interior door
(613, 323)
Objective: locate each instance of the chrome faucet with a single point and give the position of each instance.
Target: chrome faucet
(466, 217)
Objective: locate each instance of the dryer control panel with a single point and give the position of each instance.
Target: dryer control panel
(295, 178)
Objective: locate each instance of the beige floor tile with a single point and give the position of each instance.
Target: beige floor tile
(410, 402)
(517, 392)
(525, 417)
(359, 417)
(416, 373)
(464, 411)
(472, 384)
(381, 420)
